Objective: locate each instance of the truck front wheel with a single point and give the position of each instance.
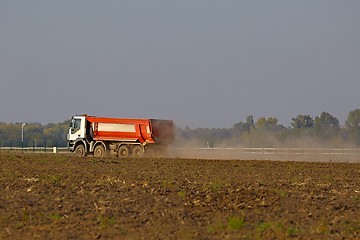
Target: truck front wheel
(80, 150)
(123, 151)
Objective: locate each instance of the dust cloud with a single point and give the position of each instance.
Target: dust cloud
(304, 149)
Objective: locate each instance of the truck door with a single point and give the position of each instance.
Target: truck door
(77, 128)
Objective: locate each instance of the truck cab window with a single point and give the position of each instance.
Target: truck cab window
(76, 123)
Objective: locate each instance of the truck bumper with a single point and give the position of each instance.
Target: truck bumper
(71, 146)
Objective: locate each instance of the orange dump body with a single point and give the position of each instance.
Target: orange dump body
(131, 130)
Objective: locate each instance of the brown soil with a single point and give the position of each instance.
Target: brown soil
(58, 196)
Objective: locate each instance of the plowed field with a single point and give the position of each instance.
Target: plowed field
(59, 196)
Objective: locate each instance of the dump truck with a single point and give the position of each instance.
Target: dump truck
(125, 137)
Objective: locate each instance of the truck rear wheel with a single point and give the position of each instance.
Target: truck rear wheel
(138, 151)
(80, 150)
(123, 151)
(99, 151)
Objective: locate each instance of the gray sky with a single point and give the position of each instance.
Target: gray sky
(201, 63)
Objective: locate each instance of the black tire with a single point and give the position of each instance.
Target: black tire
(80, 150)
(99, 151)
(123, 151)
(138, 151)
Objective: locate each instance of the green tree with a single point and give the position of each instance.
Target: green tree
(250, 121)
(261, 124)
(326, 125)
(55, 134)
(270, 124)
(353, 125)
(302, 121)
(242, 127)
(10, 134)
(326, 121)
(353, 120)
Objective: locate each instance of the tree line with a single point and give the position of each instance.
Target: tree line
(51, 135)
(304, 131)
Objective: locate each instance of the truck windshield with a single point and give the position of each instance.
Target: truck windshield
(75, 125)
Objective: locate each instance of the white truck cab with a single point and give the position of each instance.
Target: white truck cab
(77, 129)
